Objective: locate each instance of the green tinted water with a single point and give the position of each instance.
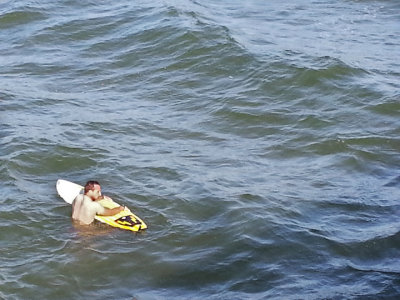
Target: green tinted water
(259, 142)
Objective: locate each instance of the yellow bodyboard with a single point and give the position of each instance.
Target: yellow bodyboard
(124, 220)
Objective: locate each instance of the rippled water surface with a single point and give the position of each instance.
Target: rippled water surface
(259, 140)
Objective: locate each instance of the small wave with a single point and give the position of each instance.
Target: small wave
(387, 107)
(326, 71)
(50, 160)
(20, 18)
(393, 182)
(388, 265)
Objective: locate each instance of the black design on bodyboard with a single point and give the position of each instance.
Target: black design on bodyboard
(128, 221)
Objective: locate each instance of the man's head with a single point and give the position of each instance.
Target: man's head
(93, 189)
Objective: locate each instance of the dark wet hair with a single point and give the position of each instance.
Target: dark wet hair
(89, 186)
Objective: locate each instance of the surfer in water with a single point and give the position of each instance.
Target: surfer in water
(85, 207)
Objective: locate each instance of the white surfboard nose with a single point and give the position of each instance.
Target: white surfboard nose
(68, 190)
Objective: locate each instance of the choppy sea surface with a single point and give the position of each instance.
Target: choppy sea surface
(259, 140)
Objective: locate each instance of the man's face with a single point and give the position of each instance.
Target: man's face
(96, 192)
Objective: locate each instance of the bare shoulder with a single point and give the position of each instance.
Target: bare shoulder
(83, 199)
(79, 198)
(86, 197)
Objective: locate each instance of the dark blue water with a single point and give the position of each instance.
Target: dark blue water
(259, 142)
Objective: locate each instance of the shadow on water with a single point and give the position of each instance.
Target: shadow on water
(91, 231)
(393, 182)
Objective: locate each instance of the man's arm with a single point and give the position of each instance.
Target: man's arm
(112, 211)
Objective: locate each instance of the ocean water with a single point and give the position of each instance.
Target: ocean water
(259, 140)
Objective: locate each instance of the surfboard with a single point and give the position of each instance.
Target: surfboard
(126, 219)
